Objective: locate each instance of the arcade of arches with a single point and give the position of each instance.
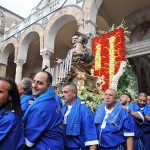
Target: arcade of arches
(45, 35)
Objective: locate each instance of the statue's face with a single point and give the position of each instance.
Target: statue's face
(74, 39)
(80, 38)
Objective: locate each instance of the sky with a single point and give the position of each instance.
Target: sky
(20, 7)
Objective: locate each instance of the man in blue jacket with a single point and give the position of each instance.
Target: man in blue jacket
(79, 128)
(126, 102)
(143, 109)
(115, 127)
(43, 118)
(11, 128)
(25, 91)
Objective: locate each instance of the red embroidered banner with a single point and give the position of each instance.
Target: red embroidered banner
(109, 51)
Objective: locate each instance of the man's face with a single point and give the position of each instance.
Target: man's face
(39, 85)
(124, 99)
(74, 39)
(110, 97)
(142, 101)
(4, 95)
(148, 99)
(68, 95)
(21, 91)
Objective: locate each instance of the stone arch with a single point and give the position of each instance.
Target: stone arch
(138, 17)
(144, 73)
(34, 28)
(141, 32)
(8, 55)
(57, 21)
(10, 44)
(141, 73)
(33, 32)
(102, 23)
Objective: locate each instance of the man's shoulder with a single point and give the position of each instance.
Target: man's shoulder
(124, 114)
(84, 109)
(47, 104)
(83, 106)
(102, 105)
(9, 117)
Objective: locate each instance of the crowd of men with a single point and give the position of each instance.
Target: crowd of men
(33, 118)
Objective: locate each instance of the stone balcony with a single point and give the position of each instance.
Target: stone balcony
(34, 18)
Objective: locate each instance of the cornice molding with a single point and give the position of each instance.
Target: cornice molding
(138, 49)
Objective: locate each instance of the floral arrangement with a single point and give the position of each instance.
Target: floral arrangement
(91, 98)
(109, 51)
(113, 27)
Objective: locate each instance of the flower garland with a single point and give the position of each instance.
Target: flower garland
(109, 51)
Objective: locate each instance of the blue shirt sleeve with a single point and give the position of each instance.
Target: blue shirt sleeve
(89, 129)
(128, 125)
(11, 132)
(147, 110)
(131, 106)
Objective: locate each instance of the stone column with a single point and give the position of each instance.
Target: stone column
(138, 72)
(19, 64)
(2, 70)
(46, 53)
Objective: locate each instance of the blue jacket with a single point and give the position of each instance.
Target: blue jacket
(43, 123)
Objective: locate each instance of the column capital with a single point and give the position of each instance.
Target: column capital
(46, 53)
(19, 62)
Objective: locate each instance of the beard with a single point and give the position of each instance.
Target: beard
(123, 103)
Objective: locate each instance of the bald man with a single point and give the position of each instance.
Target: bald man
(115, 127)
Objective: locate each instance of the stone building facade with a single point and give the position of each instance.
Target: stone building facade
(45, 35)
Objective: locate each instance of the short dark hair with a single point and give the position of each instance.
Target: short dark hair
(129, 95)
(14, 103)
(142, 94)
(49, 78)
(84, 37)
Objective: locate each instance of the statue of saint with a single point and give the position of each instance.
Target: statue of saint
(82, 57)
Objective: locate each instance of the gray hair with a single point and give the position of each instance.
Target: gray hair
(72, 86)
(115, 92)
(26, 85)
